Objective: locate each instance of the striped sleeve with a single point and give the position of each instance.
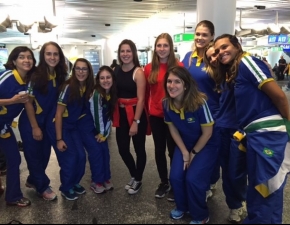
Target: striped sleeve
(4, 76)
(30, 89)
(205, 115)
(259, 71)
(64, 95)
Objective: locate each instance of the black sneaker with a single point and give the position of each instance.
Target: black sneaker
(162, 190)
(170, 196)
(135, 187)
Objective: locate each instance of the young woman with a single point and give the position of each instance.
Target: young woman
(20, 65)
(43, 93)
(70, 151)
(163, 58)
(262, 110)
(95, 127)
(130, 117)
(231, 158)
(185, 111)
(193, 61)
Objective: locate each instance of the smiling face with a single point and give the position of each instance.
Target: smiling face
(203, 37)
(126, 54)
(24, 62)
(212, 56)
(162, 49)
(175, 87)
(51, 56)
(81, 71)
(106, 80)
(227, 51)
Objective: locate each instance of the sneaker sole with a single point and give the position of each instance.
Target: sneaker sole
(135, 192)
(110, 189)
(80, 193)
(69, 199)
(176, 218)
(98, 192)
(170, 200)
(159, 196)
(49, 199)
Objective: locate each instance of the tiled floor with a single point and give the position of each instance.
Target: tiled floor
(115, 206)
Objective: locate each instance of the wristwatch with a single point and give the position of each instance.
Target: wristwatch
(194, 152)
(137, 121)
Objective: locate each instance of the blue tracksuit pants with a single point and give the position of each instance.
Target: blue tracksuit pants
(13, 160)
(37, 153)
(234, 171)
(190, 186)
(98, 153)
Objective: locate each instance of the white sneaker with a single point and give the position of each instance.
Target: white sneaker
(129, 184)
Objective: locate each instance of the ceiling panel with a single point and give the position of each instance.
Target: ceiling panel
(79, 19)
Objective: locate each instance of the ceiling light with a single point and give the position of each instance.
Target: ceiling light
(137, 0)
(107, 24)
(93, 35)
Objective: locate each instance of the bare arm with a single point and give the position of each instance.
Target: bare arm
(179, 142)
(58, 127)
(36, 131)
(278, 97)
(141, 88)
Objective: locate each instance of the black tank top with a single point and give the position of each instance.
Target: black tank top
(126, 86)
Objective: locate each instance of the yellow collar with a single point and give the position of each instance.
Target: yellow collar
(82, 90)
(18, 77)
(52, 77)
(199, 59)
(181, 111)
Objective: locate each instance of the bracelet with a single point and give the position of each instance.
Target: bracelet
(59, 140)
(194, 152)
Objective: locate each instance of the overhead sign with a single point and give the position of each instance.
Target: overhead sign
(277, 49)
(183, 37)
(285, 47)
(278, 39)
(93, 56)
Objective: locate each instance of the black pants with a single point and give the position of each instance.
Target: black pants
(2, 160)
(123, 141)
(161, 137)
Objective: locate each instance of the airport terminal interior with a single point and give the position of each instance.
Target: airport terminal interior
(93, 29)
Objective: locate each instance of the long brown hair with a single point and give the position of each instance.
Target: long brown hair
(209, 69)
(113, 89)
(40, 78)
(192, 97)
(74, 84)
(227, 73)
(152, 79)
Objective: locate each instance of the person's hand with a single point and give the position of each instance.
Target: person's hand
(37, 133)
(191, 157)
(186, 160)
(100, 138)
(134, 129)
(20, 98)
(61, 146)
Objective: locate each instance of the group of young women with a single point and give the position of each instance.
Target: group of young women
(195, 108)
(51, 106)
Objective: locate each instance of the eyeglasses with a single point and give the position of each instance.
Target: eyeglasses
(84, 69)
